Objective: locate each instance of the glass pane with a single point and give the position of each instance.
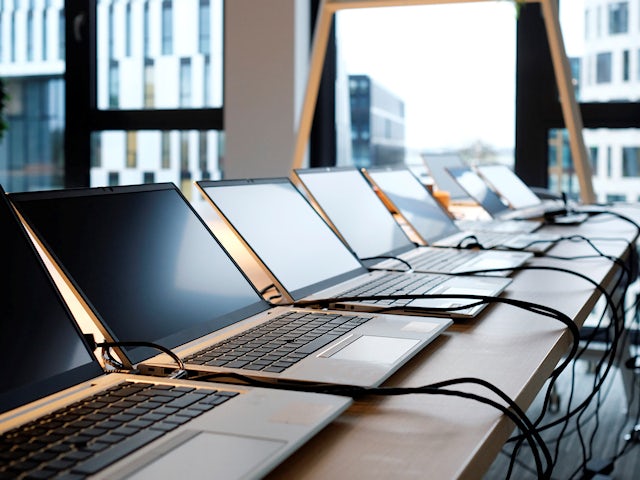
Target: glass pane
(163, 54)
(602, 42)
(436, 79)
(32, 66)
(149, 156)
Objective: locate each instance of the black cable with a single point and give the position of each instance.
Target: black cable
(389, 257)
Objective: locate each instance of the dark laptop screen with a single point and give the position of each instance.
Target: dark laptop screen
(144, 260)
(415, 203)
(284, 231)
(356, 211)
(41, 349)
(479, 190)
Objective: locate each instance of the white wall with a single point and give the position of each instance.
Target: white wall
(266, 59)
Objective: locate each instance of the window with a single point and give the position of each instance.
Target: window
(185, 82)
(204, 28)
(30, 35)
(631, 161)
(114, 179)
(603, 67)
(62, 42)
(149, 85)
(146, 30)
(112, 31)
(625, 65)
(166, 150)
(128, 30)
(167, 27)
(618, 18)
(593, 156)
(132, 150)
(114, 84)
(148, 177)
(45, 36)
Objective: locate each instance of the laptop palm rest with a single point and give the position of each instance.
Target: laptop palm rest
(375, 349)
(198, 451)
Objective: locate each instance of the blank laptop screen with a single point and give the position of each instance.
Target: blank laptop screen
(510, 186)
(415, 203)
(146, 262)
(40, 347)
(284, 231)
(356, 211)
(479, 190)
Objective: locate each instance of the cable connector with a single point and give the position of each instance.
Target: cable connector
(90, 339)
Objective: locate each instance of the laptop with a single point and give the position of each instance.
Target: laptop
(345, 197)
(61, 414)
(437, 166)
(309, 263)
(408, 198)
(150, 269)
(494, 205)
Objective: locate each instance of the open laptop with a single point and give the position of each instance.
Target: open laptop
(308, 262)
(151, 270)
(61, 414)
(437, 166)
(403, 192)
(345, 197)
(493, 204)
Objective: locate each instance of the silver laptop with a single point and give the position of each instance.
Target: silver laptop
(437, 167)
(151, 270)
(408, 198)
(308, 262)
(494, 205)
(345, 197)
(60, 414)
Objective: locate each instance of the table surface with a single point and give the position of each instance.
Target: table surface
(428, 436)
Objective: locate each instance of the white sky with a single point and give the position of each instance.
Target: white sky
(453, 65)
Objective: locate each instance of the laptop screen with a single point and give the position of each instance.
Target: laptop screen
(284, 231)
(144, 260)
(357, 213)
(414, 202)
(41, 349)
(510, 186)
(479, 190)
(437, 166)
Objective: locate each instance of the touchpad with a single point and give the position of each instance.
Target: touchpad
(207, 453)
(369, 348)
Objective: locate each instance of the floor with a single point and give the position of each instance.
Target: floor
(602, 427)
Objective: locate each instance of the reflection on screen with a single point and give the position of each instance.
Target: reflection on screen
(510, 186)
(146, 263)
(478, 189)
(415, 203)
(281, 227)
(356, 211)
(38, 340)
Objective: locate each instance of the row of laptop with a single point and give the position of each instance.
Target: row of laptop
(149, 269)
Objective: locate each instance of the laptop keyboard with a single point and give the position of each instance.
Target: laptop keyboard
(280, 343)
(87, 436)
(395, 284)
(435, 260)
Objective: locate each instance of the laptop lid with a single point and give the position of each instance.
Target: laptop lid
(414, 202)
(301, 260)
(478, 189)
(356, 211)
(164, 278)
(437, 166)
(509, 185)
(40, 344)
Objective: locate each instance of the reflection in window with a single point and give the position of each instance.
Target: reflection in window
(618, 18)
(603, 67)
(631, 161)
(167, 27)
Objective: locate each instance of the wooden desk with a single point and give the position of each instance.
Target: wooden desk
(436, 437)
